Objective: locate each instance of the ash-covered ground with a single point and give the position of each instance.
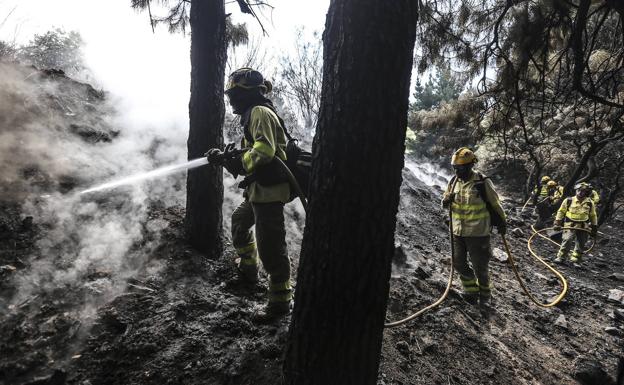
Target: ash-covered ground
(104, 289)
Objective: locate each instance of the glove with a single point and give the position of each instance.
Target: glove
(502, 229)
(447, 198)
(557, 226)
(235, 165)
(215, 156)
(594, 230)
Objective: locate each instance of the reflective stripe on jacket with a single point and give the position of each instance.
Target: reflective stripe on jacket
(541, 191)
(578, 210)
(469, 212)
(269, 140)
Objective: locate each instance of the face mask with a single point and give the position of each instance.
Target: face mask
(236, 102)
(463, 172)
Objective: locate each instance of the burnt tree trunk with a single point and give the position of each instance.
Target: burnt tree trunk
(593, 149)
(204, 190)
(343, 279)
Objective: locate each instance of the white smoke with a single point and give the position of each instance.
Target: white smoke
(431, 174)
(56, 136)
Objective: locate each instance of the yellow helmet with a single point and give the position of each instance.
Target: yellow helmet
(545, 179)
(551, 183)
(463, 156)
(582, 186)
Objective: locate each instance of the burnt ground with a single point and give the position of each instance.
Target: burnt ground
(189, 321)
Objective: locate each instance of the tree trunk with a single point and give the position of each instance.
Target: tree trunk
(343, 279)
(204, 190)
(594, 148)
(608, 204)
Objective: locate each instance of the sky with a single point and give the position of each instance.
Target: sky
(148, 72)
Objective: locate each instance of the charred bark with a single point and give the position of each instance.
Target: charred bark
(593, 149)
(204, 191)
(608, 204)
(343, 278)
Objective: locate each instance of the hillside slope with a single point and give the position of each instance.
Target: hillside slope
(105, 290)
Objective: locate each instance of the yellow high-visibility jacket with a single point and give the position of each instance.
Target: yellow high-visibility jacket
(578, 211)
(269, 140)
(470, 215)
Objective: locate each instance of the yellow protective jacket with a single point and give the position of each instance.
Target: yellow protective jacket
(542, 191)
(558, 194)
(470, 215)
(269, 140)
(578, 211)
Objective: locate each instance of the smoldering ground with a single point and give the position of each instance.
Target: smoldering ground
(58, 136)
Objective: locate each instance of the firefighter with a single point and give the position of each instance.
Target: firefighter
(475, 208)
(557, 193)
(578, 212)
(541, 192)
(266, 191)
(549, 200)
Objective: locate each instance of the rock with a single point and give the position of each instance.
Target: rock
(561, 322)
(618, 314)
(500, 255)
(616, 276)
(517, 232)
(403, 347)
(612, 331)
(7, 269)
(589, 372)
(616, 295)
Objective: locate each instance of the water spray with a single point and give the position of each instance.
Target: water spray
(148, 175)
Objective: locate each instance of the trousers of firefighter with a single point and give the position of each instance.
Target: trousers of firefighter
(575, 215)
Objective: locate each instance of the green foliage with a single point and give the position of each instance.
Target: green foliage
(438, 132)
(443, 88)
(56, 49)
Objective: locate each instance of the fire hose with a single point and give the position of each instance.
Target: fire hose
(514, 267)
(449, 283)
(539, 233)
(294, 184)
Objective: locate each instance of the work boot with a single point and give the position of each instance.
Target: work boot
(576, 257)
(272, 312)
(486, 303)
(247, 268)
(471, 298)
